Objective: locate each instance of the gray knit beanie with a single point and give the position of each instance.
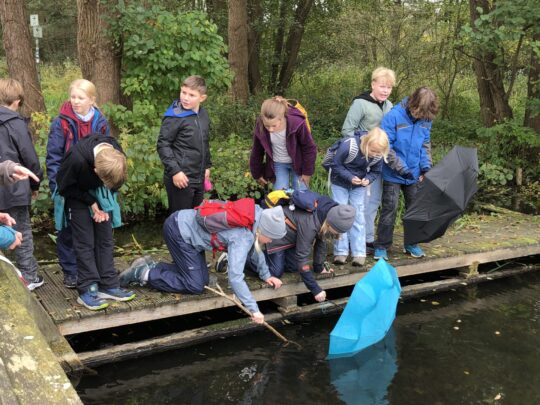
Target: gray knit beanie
(272, 223)
(341, 217)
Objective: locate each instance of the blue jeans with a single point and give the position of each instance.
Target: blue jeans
(356, 237)
(284, 172)
(24, 253)
(373, 201)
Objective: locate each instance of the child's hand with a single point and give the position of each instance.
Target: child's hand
(257, 317)
(320, 297)
(262, 181)
(364, 182)
(356, 181)
(305, 179)
(207, 174)
(99, 216)
(17, 241)
(180, 180)
(21, 173)
(274, 282)
(7, 219)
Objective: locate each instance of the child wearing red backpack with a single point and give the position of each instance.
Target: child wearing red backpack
(187, 241)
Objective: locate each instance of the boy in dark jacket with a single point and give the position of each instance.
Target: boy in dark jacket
(91, 168)
(183, 146)
(15, 199)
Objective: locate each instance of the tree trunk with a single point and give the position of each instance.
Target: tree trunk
(255, 13)
(99, 57)
(494, 105)
(532, 112)
(238, 49)
(278, 46)
(19, 55)
(292, 47)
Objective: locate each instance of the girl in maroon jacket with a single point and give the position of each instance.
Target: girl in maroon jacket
(283, 149)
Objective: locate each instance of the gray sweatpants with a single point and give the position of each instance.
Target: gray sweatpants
(24, 254)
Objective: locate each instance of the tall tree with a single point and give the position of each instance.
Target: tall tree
(20, 59)
(292, 47)
(532, 112)
(238, 49)
(100, 58)
(255, 25)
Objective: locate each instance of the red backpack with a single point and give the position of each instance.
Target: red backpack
(215, 216)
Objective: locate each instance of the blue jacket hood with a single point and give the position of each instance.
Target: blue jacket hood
(176, 110)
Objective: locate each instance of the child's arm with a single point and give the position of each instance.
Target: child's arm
(426, 161)
(167, 135)
(27, 153)
(352, 120)
(56, 145)
(309, 152)
(339, 167)
(256, 166)
(389, 125)
(375, 171)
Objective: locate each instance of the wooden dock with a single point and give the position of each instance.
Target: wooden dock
(492, 236)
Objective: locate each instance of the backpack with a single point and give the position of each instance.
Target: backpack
(328, 159)
(306, 200)
(296, 104)
(277, 198)
(215, 216)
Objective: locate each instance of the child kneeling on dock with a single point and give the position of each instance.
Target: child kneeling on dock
(91, 169)
(187, 242)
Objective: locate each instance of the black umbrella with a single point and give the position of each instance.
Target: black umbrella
(442, 196)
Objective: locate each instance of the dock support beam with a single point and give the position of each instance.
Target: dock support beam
(287, 305)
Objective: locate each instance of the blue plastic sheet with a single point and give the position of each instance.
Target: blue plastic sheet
(369, 313)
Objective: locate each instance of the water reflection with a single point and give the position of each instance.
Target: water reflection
(364, 378)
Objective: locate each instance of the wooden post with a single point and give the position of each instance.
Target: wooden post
(29, 371)
(469, 271)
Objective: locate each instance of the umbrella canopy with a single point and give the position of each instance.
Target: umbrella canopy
(442, 196)
(369, 313)
(365, 377)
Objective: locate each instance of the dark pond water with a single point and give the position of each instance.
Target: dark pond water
(479, 345)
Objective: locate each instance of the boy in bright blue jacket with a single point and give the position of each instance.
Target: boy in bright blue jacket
(408, 127)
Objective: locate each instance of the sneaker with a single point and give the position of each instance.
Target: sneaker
(380, 254)
(70, 281)
(135, 274)
(222, 262)
(117, 294)
(358, 261)
(370, 249)
(340, 259)
(90, 299)
(414, 251)
(38, 282)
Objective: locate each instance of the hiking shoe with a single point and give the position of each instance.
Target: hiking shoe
(414, 251)
(340, 259)
(38, 282)
(370, 249)
(380, 254)
(70, 281)
(90, 299)
(222, 262)
(136, 273)
(358, 261)
(117, 294)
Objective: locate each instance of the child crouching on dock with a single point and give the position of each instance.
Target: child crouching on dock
(91, 169)
(187, 242)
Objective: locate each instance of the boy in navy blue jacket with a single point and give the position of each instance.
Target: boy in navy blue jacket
(183, 146)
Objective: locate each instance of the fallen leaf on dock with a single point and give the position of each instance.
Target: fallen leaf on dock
(497, 397)
(435, 303)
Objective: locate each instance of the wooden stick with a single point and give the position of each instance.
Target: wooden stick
(219, 291)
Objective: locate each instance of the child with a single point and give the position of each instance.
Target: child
(183, 146)
(78, 118)
(282, 147)
(350, 178)
(15, 199)
(187, 241)
(366, 113)
(408, 126)
(93, 163)
(307, 231)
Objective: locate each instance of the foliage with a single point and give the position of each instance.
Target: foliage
(161, 48)
(494, 175)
